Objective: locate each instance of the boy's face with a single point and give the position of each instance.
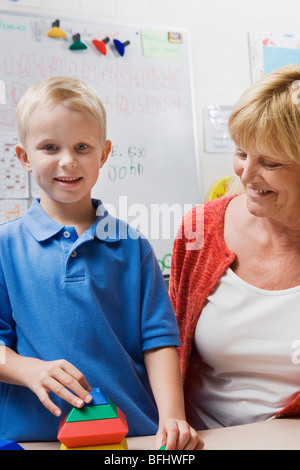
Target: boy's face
(65, 152)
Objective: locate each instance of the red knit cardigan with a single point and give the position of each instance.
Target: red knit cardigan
(195, 272)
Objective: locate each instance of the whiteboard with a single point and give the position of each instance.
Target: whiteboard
(152, 175)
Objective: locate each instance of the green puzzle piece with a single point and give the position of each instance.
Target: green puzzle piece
(90, 413)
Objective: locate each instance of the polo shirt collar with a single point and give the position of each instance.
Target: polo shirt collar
(43, 227)
(39, 223)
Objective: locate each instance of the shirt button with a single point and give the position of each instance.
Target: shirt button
(74, 254)
(66, 234)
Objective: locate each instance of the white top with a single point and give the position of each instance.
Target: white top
(248, 340)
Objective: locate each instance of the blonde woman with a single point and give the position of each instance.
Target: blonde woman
(237, 298)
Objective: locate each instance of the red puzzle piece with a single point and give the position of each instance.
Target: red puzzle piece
(92, 433)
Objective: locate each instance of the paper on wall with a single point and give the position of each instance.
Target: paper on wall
(217, 138)
(14, 181)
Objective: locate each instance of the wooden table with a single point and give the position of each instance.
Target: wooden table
(280, 434)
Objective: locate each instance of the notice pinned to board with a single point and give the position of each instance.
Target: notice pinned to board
(270, 51)
(217, 137)
(161, 44)
(11, 209)
(14, 182)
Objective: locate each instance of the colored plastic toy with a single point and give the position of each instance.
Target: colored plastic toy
(56, 32)
(10, 445)
(99, 398)
(101, 45)
(122, 446)
(120, 46)
(77, 44)
(90, 413)
(97, 425)
(93, 433)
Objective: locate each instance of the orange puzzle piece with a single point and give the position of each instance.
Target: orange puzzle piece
(93, 433)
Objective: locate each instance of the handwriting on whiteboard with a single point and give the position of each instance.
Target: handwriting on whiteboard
(127, 104)
(137, 89)
(124, 164)
(121, 75)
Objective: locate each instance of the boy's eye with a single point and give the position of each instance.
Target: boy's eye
(50, 148)
(81, 147)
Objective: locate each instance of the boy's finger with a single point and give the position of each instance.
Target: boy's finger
(74, 372)
(185, 438)
(45, 400)
(160, 440)
(194, 442)
(172, 436)
(75, 381)
(66, 387)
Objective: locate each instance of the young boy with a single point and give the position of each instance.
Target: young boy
(79, 310)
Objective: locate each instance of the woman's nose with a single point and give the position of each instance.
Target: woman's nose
(251, 171)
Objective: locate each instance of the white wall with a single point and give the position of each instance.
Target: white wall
(219, 44)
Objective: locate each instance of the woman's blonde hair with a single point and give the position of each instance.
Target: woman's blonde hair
(71, 92)
(267, 116)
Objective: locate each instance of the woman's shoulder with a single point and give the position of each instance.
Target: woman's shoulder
(204, 221)
(209, 211)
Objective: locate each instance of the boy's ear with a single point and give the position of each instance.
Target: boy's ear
(105, 152)
(23, 157)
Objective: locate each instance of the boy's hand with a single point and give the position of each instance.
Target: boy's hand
(59, 377)
(176, 434)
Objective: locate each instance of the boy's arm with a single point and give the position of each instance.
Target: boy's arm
(165, 379)
(42, 377)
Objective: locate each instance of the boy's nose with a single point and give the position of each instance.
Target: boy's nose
(67, 160)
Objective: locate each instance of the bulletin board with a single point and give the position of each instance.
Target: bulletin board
(152, 175)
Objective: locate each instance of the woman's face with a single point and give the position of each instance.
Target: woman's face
(272, 185)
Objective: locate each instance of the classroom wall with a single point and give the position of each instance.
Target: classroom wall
(219, 45)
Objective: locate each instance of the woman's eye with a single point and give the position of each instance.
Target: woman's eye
(271, 165)
(240, 153)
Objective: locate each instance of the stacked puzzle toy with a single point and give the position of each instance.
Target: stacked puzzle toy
(100, 425)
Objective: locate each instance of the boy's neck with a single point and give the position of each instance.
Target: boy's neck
(80, 215)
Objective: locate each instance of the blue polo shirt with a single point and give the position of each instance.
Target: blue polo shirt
(98, 301)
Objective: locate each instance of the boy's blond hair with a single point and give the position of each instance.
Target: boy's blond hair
(71, 92)
(267, 116)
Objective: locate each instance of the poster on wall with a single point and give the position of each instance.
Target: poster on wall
(217, 138)
(270, 51)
